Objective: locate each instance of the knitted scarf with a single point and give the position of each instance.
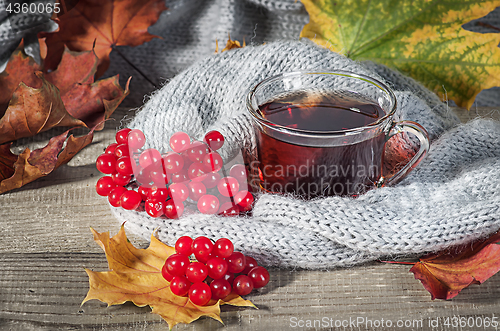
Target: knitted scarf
(451, 198)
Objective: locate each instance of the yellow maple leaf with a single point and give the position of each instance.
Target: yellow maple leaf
(135, 275)
(422, 38)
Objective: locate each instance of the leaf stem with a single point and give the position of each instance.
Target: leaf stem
(133, 66)
(487, 25)
(397, 262)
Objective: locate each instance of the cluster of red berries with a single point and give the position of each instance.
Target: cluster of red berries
(192, 173)
(218, 271)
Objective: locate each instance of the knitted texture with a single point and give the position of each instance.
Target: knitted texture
(450, 198)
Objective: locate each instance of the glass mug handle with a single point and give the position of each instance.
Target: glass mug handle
(423, 137)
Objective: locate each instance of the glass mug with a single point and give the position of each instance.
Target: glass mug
(324, 133)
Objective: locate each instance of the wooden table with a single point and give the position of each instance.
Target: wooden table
(46, 243)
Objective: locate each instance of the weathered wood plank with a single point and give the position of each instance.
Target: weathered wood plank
(44, 291)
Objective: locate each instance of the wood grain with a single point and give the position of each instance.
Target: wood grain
(44, 291)
(46, 244)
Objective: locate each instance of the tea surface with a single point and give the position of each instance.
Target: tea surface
(333, 112)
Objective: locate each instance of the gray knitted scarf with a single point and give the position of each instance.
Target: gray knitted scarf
(451, 198)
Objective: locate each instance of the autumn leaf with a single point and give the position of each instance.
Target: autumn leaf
(7, 160)
(230, 44)
(67, 97)
(34, 110)
(135, 275)
(424, 39)
(20, 68)
(103, 23)
(446, 273)
(92, 102)
(19, 170)
(74, 68)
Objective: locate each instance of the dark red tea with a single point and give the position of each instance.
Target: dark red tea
(310, 172)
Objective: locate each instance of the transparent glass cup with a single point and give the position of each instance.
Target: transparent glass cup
(323, 162)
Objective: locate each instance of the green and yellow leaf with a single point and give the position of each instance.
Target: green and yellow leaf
(422, 38)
